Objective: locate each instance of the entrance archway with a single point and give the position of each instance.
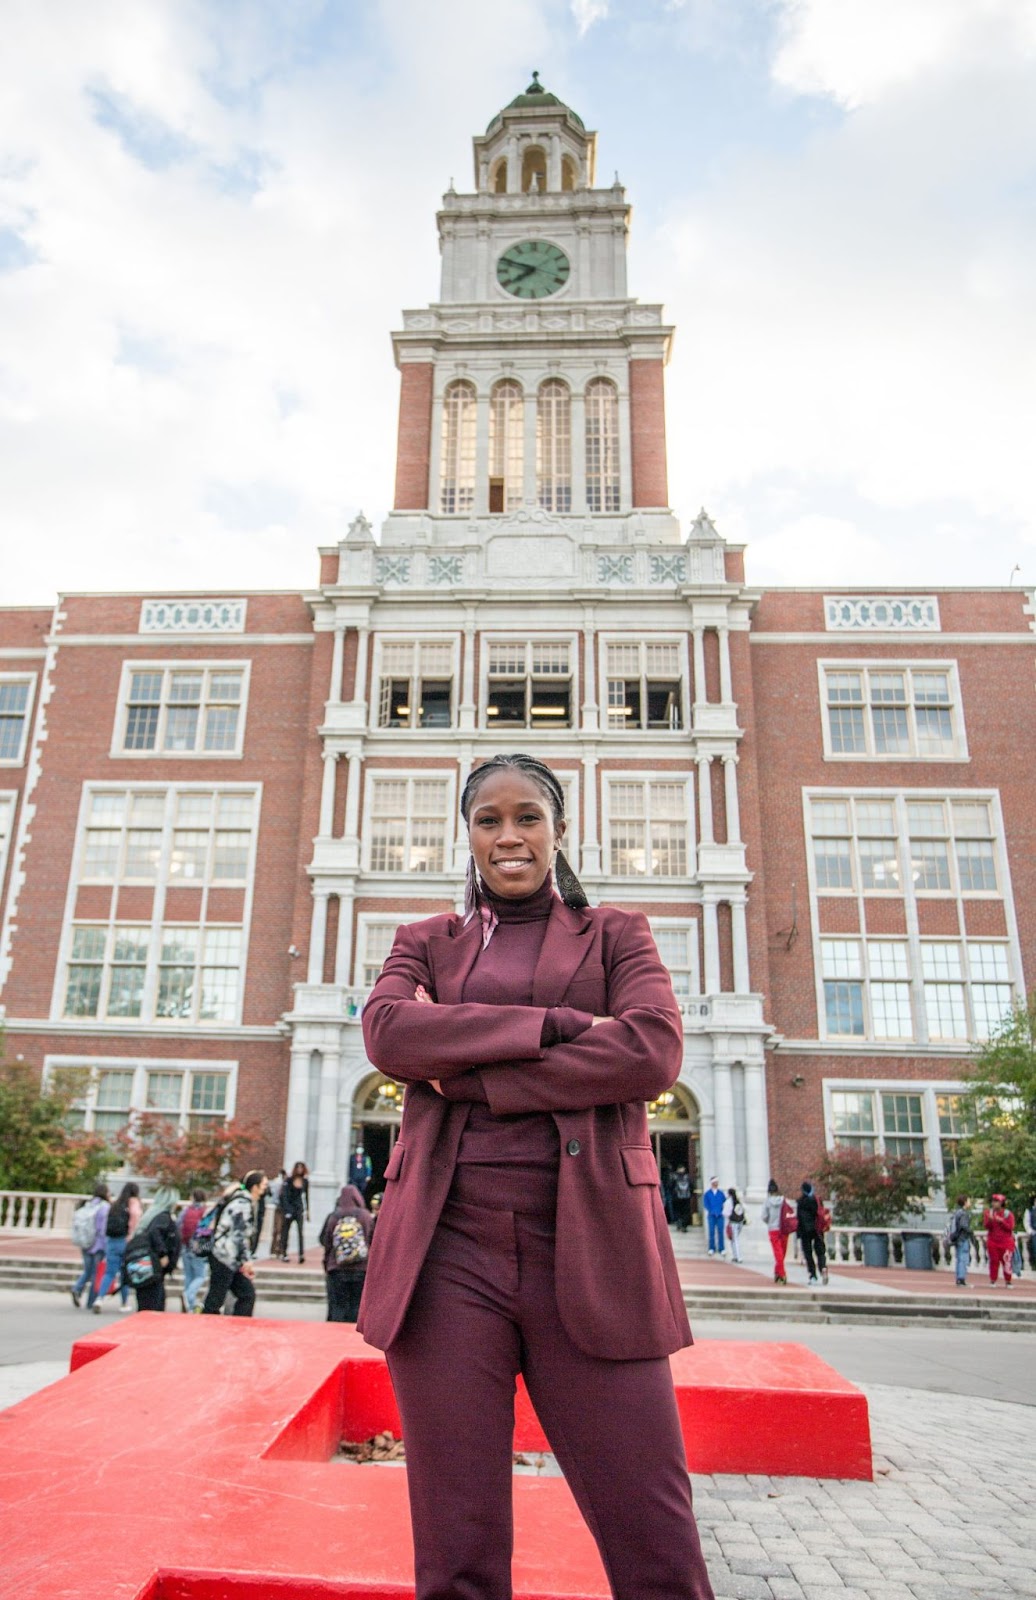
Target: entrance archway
(376, 1115)
(674, 1125)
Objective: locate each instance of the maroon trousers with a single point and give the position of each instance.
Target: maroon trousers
(484, 1310)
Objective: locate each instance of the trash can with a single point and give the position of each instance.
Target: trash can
(875, 1249)
(917, 1251)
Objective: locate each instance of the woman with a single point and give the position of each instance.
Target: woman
(521, 1228)
(195, 1268)
(736, 1219)
(770, 1217)
(123, 1217)
(157, 1240)
(811, 1237)
(95, 1218)
(999, 1225)
(345, 1238)
(294, 1205)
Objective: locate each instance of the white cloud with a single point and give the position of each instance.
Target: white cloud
(856, 50)
(587, 12)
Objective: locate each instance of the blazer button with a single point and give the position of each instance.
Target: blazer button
(573, 1147)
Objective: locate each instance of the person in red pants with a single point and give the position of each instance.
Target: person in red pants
(522, 1229)
(999, 1225)
(773, 1220)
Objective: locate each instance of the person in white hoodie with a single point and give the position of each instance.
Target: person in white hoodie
(772, 1216)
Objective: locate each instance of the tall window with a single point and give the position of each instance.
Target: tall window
(151, 968)
(506, 446)
(529, 685)
(170, 710)
(534, 170)
(883, 988)
(182, 1096)
(678, 947)
(554, 446)
(891, 1123)
(957, 1121)
(602, 445)
(408, 824)
(903, 845)
(458, 449)
(644, 685)
(377, 942)
(15, 696)
(648, 828)
(416, 686)
(7, 804)
(891, 711)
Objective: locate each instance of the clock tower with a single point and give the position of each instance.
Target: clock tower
(535, 382)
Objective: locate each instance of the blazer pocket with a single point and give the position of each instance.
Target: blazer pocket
(395, 1161)
(590, 986)
(639, 1161)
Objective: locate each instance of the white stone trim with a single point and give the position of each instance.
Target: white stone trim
(883, 613)
(188, 615)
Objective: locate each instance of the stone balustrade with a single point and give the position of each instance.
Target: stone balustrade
(27, 1212)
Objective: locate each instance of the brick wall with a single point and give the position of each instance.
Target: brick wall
(413, 451)
(647, 433)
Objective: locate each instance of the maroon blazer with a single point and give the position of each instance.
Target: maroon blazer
(617, 1287)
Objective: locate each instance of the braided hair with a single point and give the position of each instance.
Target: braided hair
(569, 887)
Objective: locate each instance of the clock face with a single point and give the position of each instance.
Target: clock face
(532, 269)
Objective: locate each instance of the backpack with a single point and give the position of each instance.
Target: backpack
(117, 1226)
(138, 1267)
(348, 1245)
(84, 1225)
(789, 1223)
(204, 1235)
(189, 1221)
(823, 1218)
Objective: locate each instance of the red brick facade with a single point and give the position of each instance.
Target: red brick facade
(647, 433)
(415, 435)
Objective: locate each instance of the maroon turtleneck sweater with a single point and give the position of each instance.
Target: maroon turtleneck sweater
(511, 1162)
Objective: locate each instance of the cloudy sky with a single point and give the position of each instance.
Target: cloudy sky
(212, 212)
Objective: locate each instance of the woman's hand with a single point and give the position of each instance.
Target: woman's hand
(598, 1020)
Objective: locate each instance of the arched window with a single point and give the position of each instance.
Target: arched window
(568, 173)
(602, 445)
(554, 446)
(534, 169)
(498, 180)
(506, 445)
(458, 448)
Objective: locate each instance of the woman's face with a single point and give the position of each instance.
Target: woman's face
(512, 833)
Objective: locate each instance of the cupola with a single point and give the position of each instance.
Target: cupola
(535, 145)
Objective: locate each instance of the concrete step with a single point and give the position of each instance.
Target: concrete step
(876, 1310)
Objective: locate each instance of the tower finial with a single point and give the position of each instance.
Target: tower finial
(535, 86)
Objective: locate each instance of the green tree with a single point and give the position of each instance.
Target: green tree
(39, 1147)
(873, 1191)
(202, 1157)
(1000, 1156)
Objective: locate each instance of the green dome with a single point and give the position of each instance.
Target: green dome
(538, 98)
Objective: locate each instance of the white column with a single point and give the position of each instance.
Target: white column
(360, 685)
(317, 936)
(529, 457)
(554, 164)
(733, 807)
(589, 716)
(337, 656)
(725, 1168)
(619, 261)
(757, 1139)
(710, 928)
(298, 1105)
(344, 945)
(578, 452)
(591, 853)
(698, 644)
(327, 794)
(482, 263)
(351, 825)
(739, 942)
(468, 705)
(514, 166)
(584, 287)
(705, 800)
(625, 450)
(482, 456)
(726, 692)
(327, 1122)
(706, 1155)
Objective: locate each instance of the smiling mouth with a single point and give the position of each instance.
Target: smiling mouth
(512, 865)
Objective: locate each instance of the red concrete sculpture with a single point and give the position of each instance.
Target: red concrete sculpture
(191, 1459)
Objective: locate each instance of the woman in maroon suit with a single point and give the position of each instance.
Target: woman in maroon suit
(521, 1228)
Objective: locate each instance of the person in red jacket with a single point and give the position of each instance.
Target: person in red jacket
(522, 1228)
(999, 1225)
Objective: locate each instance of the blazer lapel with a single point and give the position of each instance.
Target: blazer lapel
(451, 957)
(565, 944)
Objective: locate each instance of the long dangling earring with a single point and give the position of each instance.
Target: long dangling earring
(472, 895)
(569, 887)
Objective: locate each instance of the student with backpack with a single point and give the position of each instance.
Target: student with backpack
(779, 1218)
(88, 1225)
(152, 1253)
(195, 1267)
(345, 1238)
(231, 1268)
(734, 1212)
(118, 1230)
(813, 1221)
